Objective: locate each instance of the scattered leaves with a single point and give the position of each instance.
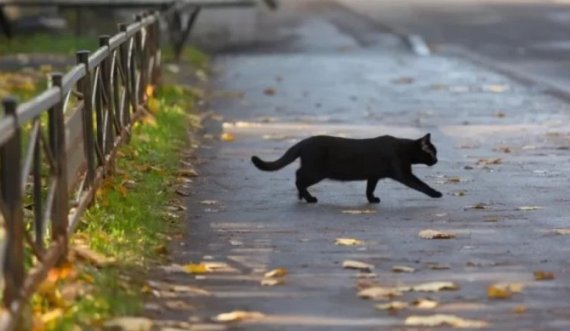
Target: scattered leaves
(543, 275)
(435, 234)
(488, 162)
(562, 232)
(85, 253)
(479, 206)
(423, 303)
(520, 309)
(238, 315)
(196, 268)
(352, 264)
(435, 287)
(401, 268)
(272, 281)
(444, 320)
(348, 242)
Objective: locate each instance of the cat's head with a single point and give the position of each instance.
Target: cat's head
(427, 153)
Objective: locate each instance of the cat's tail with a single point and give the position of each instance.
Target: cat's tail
(289, 156)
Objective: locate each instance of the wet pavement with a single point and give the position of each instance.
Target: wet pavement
(501, 146)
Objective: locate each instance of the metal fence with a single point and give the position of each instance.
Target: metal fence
(56, 149)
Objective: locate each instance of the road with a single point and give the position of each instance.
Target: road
(531, 35)
(503, 168)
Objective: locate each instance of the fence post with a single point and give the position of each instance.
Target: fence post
(11, 188)
(156, 70)
(56, 127)
(124, 52)
(107, 103)
(85, 88)
(142, 51)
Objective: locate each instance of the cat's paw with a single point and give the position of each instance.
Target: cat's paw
(436, 194)
(312, 200)
(374, 200)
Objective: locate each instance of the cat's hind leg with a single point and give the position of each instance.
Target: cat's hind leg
(303, 181)
(370, 187)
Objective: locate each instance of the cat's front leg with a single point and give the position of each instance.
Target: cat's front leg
(414, 182)
(370, 187)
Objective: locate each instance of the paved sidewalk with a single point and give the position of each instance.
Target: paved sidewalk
(338, 75)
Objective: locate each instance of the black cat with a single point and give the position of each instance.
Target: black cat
(357, 159)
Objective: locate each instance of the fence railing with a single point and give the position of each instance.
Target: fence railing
(56, 149)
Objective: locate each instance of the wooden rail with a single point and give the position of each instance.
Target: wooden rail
(56, 148)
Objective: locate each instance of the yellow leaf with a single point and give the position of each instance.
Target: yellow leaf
(226, 136)
(444, 320)
(239, 315)
(276, 273)
(499, 292)
(149, 120)
(495, 88)
(520, 309)
(52, 316)
(153, 104)
(435, 234)
(543, 275)
(392, 306)
(422, 303)
(401, 268)
(193, 268)
(351, 264)
(348, 242)
(150, 91)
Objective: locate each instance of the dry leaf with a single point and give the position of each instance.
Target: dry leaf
(422, 303)
(434, 234)
(276, 273)
(269, 91)
(238, 315)
(487, 162)
(393, 306)
(491, 218)
(435, 287)
(193, 268)
(359, 211)
(499, 292)
(348, 242)
(543, 275)
(495, 88)
(479, 206)
(459, 193)
(529, 208)
(438, 266)
(520, 309)
(226, 136)
(444, 320)
(379, 293)
(351, 264)
(454, 179)
(401, 268)
(272, 281)
(187, 172)
(565, 231)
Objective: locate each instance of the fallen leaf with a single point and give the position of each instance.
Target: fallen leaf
(196, 268)
(543, 275)
(359, 211)
(379, 293)
(128, 324)
(182, 193)
(269, 91)
(187, 172)
(392, 306)
(529, 208)
(491, 218)
(401, 268)
(459, 193)
(563, 232)
(487, 162)
(435, 287)
(238, 315)
(519, 309)
(422, 303)
(454, 179)
(435, 234)
(272, 281)
(495, 88)
(479, 206)
(499, 292)
(444, 320)
(504, 149)
(348, 242)
(52, 316)
(438, 266)
(276, 273)
(226, 136)
(352, 264)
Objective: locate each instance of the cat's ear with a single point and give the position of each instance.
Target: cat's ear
(426, 138)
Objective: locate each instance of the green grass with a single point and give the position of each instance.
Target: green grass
(47, 43)
(129, 220)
